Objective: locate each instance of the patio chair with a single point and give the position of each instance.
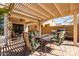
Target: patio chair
(36, 32)
(34, 42)
(59, 38)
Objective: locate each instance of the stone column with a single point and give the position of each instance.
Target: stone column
(5, 40)
(25, 28)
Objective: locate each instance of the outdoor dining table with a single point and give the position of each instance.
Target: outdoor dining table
(44, 39)
(41, 36)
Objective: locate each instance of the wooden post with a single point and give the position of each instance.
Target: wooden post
(75, 33)
(39, 28)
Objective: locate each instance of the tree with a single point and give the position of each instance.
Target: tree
(3, 10)
(1, 25)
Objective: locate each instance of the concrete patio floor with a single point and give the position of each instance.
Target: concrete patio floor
(66, 49)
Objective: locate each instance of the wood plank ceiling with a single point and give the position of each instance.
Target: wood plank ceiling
(43, 11)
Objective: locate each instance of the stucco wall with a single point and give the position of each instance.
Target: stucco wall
(47, 30)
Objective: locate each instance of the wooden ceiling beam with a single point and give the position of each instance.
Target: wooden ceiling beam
(70, 8)
(21, 5)
(32, 10)
(16, 5)
(58, 9)
(35, 10)
(46, 10)
(39, 12)
(29, 22)
(27, 14)
(23, 15)
(17, 18)
(58, 17)
(22, 12)
(11, 6)
(24, 6)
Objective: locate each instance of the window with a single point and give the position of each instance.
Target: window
(1, 25)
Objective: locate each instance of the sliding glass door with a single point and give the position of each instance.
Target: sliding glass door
(18, 28)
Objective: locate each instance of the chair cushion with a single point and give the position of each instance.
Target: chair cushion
(59, 40)
(34, 42)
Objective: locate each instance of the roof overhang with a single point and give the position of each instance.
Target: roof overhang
(43, 11)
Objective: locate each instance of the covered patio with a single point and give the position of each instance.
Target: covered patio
(21, 20)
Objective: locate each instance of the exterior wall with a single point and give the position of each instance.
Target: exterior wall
(17, 21)
(27, 28)
(32, 27)
(48, 29)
